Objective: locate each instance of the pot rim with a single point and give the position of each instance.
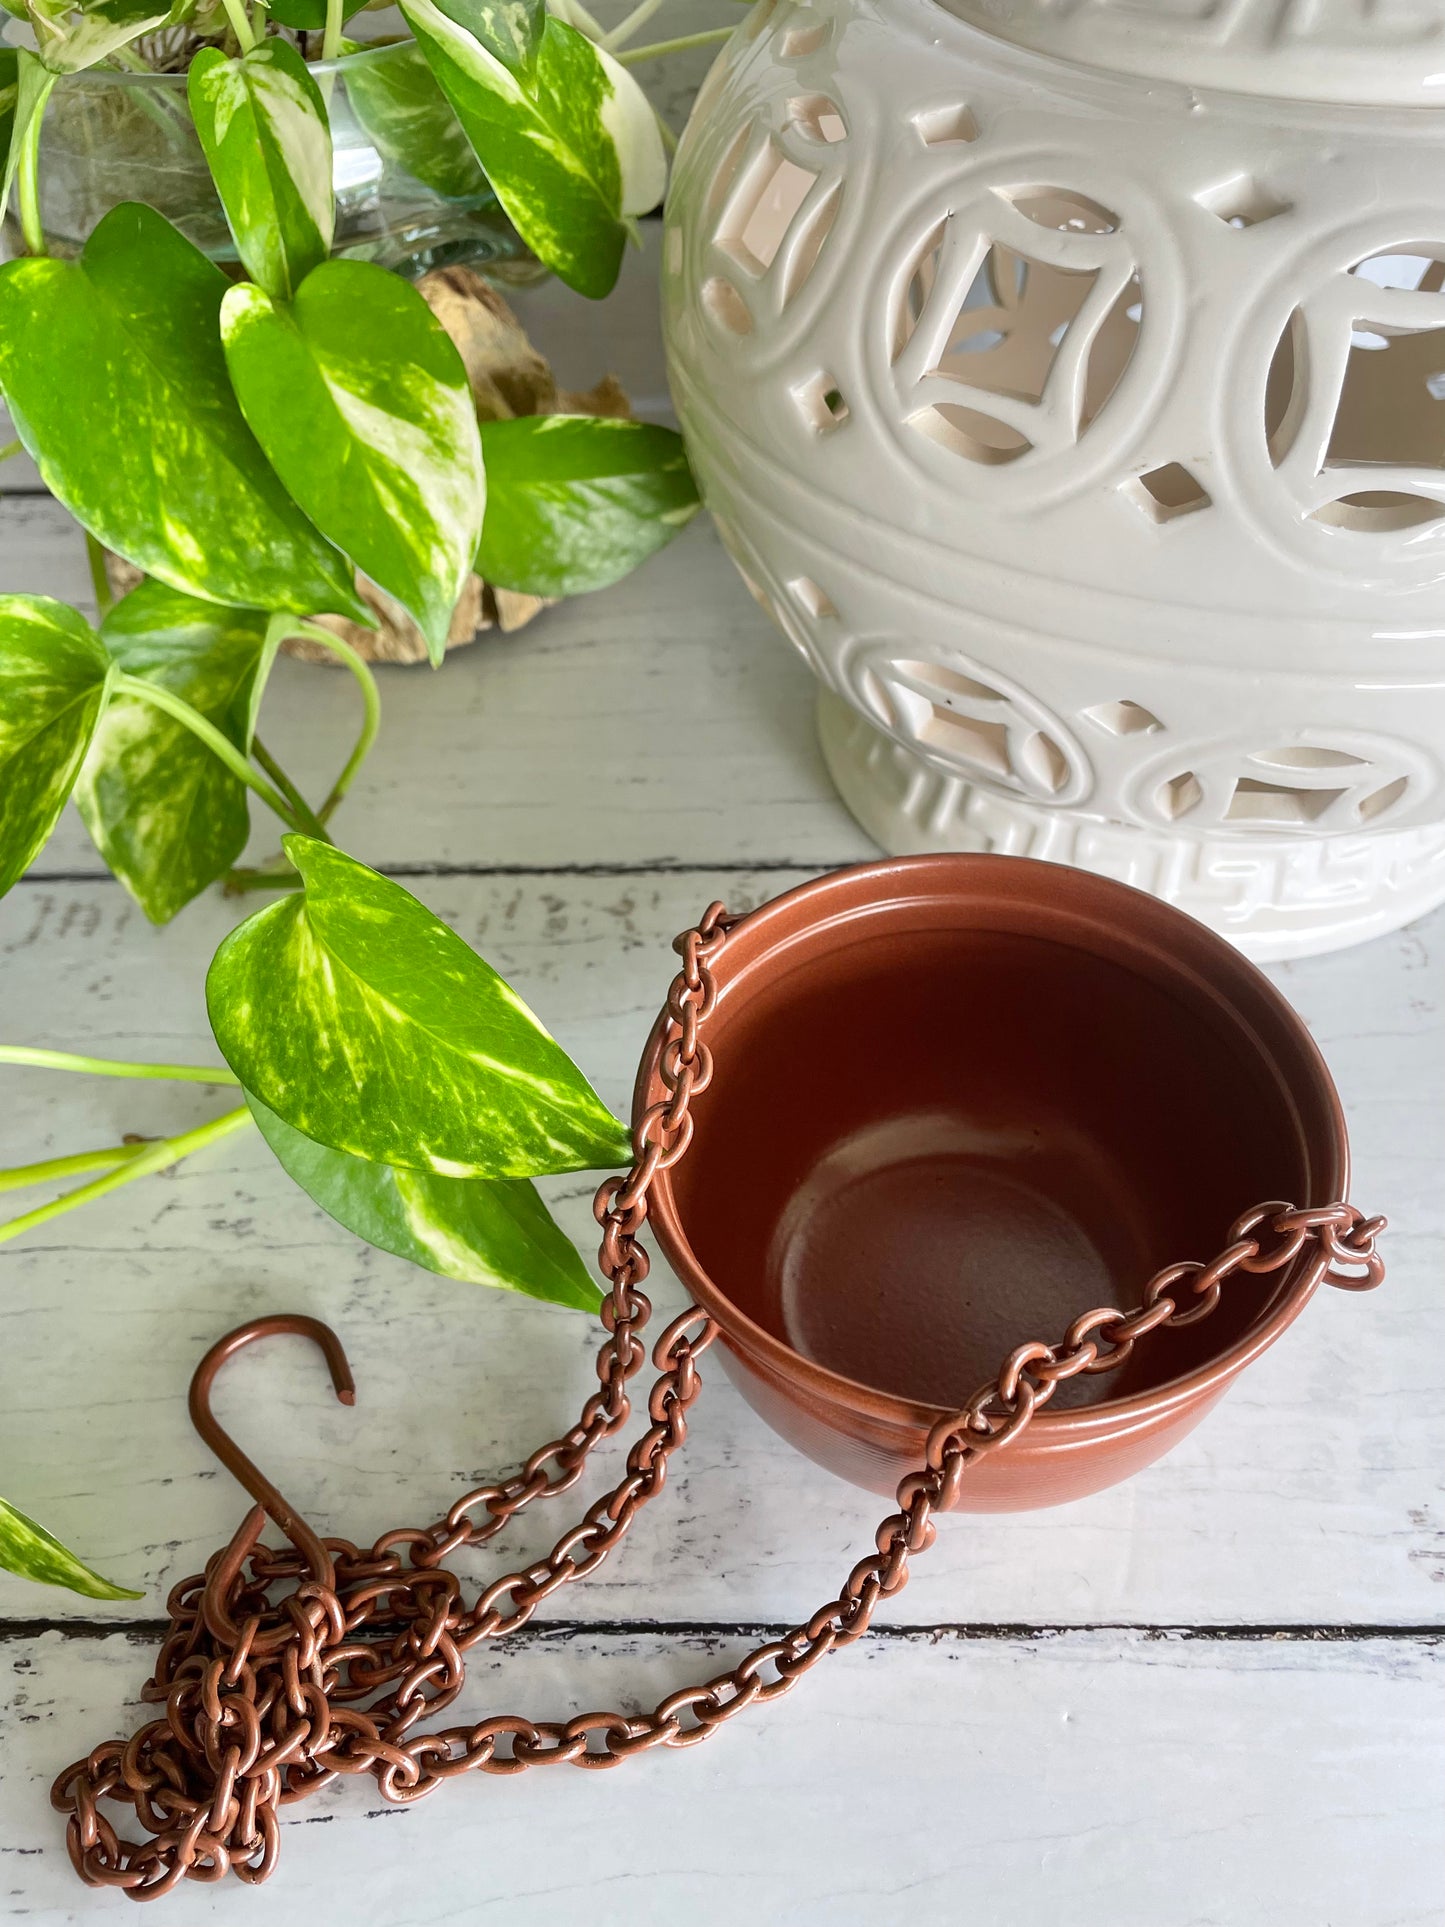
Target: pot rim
(1059, 1429)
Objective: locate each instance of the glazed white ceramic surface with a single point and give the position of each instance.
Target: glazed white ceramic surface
(1347, 50)
(1085, 432)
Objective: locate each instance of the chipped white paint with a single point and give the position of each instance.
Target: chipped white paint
(1100, 1777)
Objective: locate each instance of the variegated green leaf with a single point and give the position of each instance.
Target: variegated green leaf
(628, 116)
(552, 140)
(165, 813)
(366, 1024)
(29, 1550)
(70, 38)
(115, 377)
(576, 500)
(405, 114)
(363, 407)
(262, 123)
(28, 92)
(510, 29)
(53, 678)
(484, 1232)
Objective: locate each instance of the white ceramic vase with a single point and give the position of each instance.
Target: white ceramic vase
(1083, 427)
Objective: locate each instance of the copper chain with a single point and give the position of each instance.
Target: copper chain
(266, 1701)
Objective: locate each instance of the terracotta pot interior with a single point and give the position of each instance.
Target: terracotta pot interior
(921, 1149)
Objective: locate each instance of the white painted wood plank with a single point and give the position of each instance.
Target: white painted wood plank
(1313, 1495)
(1092, 1779)
(18, 473)
(662, 720)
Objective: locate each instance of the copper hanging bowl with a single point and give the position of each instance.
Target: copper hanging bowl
(958, 1100)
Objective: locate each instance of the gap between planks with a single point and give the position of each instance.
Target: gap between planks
(658, 866)
(546, 1631)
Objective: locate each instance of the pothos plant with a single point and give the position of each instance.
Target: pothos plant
(252, 444)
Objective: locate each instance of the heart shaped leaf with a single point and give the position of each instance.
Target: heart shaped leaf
(366, 1024)
(484, 1233)
(29, 1550)
(262, 123)
(553, 138)
(167, 815)
(578, 500)
(53, 677)
(115, 378)
(405, 114)
(363, 407)
(71, 38)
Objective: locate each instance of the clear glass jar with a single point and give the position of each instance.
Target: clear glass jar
(110, 136)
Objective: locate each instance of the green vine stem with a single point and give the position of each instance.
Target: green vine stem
(714, 36)
(27, 174)
(20, 1177)
(240, 25)
(65, 1060)
(220, 746)
(632, 24)
(263, 877)
(331, 38)
(99, 580)
(156, 1156)
(306, 818)
(371, 701)
(11, 448)
(576, 15)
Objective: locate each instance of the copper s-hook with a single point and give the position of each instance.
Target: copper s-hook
(224, 1571)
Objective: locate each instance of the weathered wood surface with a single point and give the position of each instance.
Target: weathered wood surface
(568, 799)
(1312, 1494)
(1081, 1779)
(660, 722)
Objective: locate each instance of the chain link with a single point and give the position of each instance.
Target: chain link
(268, 1700)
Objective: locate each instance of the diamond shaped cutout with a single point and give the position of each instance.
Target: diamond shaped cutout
(1166, 493)
(1255, 801)
(818, 119)
(1180, 795)
(1124, 718)
(762, 208)
(811, 599)
(805, 36)
(1242, 202)
(821, 404)
(946, 126)
(1004, 335)
(726, 306)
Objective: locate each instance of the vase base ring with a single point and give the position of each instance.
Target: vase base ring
(1274, 897)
